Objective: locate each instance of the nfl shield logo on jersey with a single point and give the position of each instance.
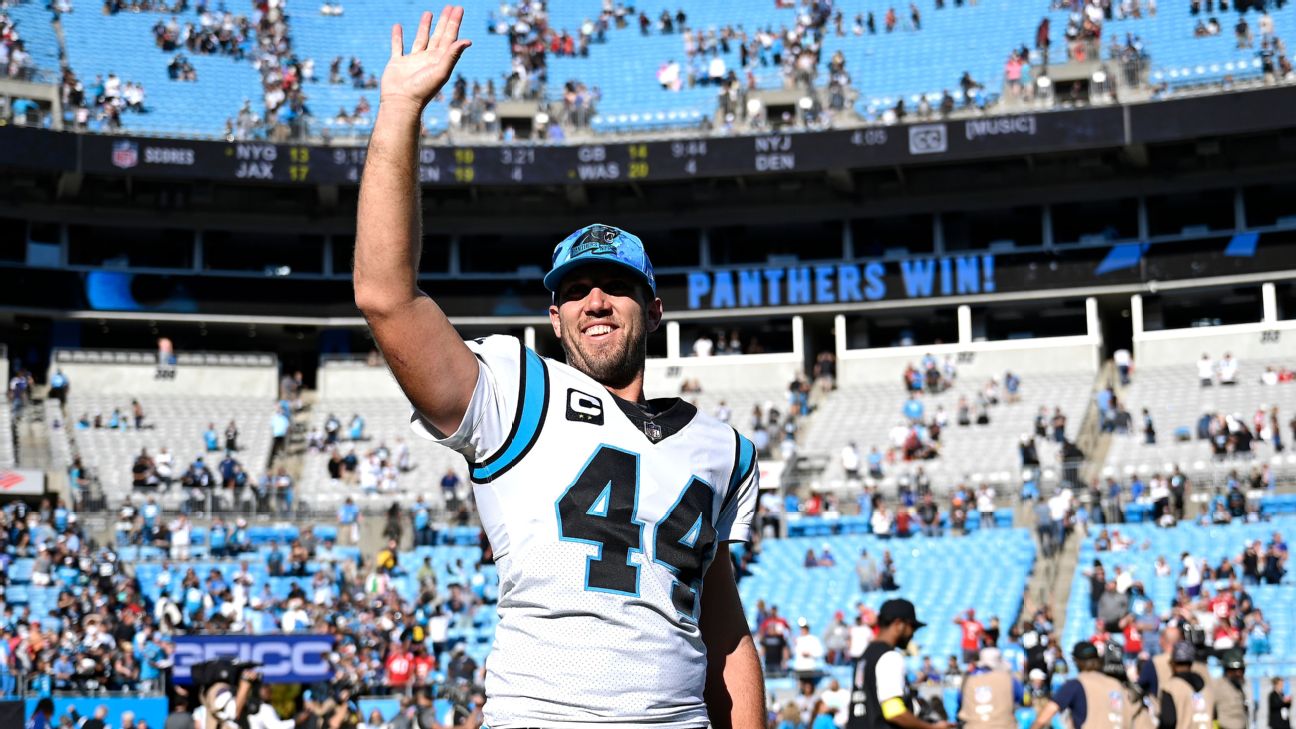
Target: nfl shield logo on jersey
(1117, 700)
(125, 154)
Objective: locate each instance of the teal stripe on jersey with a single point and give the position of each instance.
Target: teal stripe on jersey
(746, 454)
(532, 407)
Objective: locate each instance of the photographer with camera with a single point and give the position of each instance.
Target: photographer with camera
(224, 689)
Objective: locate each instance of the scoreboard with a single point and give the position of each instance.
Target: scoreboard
(928, 141)
(650, 161)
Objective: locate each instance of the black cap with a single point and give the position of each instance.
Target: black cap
(900, 609)
(1233, 658)
(1084, 651)
(1183, 652)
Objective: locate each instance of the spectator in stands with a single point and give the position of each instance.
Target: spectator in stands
(59, 387)
(807, 650)
(1058, 424)
(231, 436)
(1243, 32)
(210, 440)
(450, 488)
(866, 570)
(283, 491)
(929, 516)
(1206, 370)
(332, 427)
(850, 461)
(985, 503)
(972, 635)
(882, 521)
(772, 638)
(1228, 369)
(1274, 564)
(279, 426)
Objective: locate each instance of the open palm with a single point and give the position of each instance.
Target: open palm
(417, 76)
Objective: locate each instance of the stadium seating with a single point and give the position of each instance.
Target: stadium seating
(174, 422)
(386, 421)
(33, 23)
(1175, 401)
(1177, 57)
(1212, 543)
(123, 44)
(885, 67)
(976, 453)
(942, 576)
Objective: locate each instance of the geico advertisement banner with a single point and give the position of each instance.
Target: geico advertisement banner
(282, 658)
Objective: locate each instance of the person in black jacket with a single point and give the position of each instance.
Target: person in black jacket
(880, 696)
(1279, 706)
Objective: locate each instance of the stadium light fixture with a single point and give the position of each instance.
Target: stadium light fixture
(542, 119)
(455, 116)
(753, 107)
(489, 117)
(1100, 76)
(805, 103)
(1043, 82)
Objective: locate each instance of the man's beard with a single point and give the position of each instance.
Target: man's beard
(615, 366)
(903, 643)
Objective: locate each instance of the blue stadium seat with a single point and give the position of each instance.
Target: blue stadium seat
(885, 67)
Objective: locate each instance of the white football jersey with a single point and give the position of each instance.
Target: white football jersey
(604, 520)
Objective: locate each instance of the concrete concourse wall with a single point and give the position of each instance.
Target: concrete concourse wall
(975, 360)
(1259, 341)
(141, 380)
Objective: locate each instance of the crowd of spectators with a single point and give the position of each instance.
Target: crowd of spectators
(104, 633)
(107, 99)
(15, 61)
(1212, 607)
(217, 32)
(1029, 651)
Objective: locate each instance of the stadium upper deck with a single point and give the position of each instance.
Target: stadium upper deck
(215, 72)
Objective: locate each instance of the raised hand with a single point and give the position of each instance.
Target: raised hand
(414, 78)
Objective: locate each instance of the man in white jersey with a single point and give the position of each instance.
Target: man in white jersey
(609, 515)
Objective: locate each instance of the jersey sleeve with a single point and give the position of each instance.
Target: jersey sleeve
(506, 410)
(890, 677)
(739, 505)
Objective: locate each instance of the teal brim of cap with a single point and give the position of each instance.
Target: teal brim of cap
(600, 243)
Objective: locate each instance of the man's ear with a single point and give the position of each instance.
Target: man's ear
(555, 321)
(654, 314)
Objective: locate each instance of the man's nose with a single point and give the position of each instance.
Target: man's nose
(597, 300)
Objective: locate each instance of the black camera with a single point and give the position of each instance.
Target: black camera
(220, 670)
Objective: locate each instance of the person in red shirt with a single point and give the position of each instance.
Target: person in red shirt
(902, 522)
(1223, 605)
(424, 665)
(972, 630)
(400, 666)
(814, 505)
(775, 622)
(1100, 637)
(1133, 639)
